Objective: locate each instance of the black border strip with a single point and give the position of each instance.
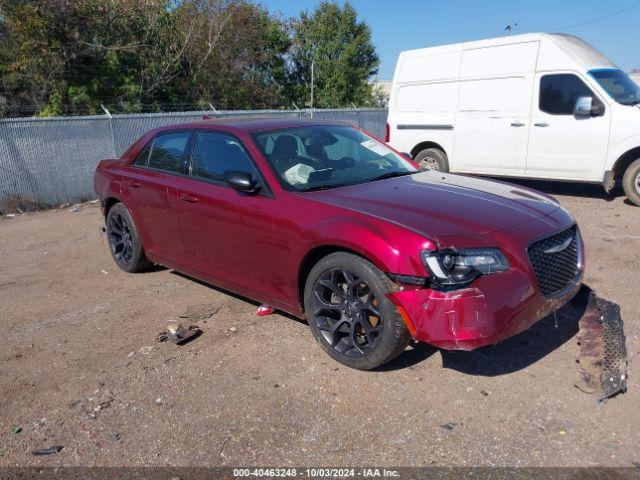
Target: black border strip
(424, 127)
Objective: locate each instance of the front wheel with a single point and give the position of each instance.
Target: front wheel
(349, 314)
(631, 182)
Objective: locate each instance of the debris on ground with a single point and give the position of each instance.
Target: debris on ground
(47, 451)
(484, 392)
(448, 425)
(603, 353)
(264, 310)
(232, 329)
(16, 430)
(11, 215)
(76, 208)
(179, 334)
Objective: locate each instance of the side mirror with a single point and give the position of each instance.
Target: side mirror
(583, 107)
(408, 155)
(242, 181)
(588, 107)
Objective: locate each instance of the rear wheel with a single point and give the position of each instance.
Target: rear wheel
(349, 314)
(124, 241)
(432, 159)
(631, 182)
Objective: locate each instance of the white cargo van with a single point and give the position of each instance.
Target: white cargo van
(534, 106)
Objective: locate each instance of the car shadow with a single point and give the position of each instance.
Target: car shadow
(511, 355)
(235, 295)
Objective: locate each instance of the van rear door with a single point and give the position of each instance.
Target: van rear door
(494, 107)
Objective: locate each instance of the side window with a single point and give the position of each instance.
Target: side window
(143, 156)
(167, 151)
(558, 93)
(216, 153)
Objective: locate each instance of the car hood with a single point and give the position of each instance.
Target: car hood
(436, 204)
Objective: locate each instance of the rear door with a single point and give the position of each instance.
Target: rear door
(494, 106)
(228, 235)
(562, 145)
(151, 192)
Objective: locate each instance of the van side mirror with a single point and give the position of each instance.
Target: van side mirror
(242, 181)
(588, 107)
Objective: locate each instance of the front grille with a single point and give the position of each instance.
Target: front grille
(555, 265)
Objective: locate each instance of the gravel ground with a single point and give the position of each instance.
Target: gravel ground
(80, 367)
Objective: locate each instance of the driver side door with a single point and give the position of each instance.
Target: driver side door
(228, 235)
(561, 144)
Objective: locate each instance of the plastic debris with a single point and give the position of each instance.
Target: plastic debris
(448, 425)
(603, 353)
(16, 430)
(47, 451)
(178, 334)
(264, 310)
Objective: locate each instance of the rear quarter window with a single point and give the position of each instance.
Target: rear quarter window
(167, 152)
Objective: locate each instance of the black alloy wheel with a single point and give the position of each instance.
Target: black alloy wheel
(124, 241)
(347, 313)
(120, 241)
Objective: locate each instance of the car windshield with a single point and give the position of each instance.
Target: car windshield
(618, 85)
(321, 157)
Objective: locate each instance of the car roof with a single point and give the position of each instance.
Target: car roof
(254, 124)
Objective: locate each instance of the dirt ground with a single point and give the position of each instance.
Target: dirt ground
(80, 367)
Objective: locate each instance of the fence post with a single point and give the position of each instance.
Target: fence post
(215, 112)
(113, 137)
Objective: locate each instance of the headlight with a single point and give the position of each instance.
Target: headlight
(450, 268)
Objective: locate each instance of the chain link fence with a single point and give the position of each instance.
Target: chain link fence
(50, 161)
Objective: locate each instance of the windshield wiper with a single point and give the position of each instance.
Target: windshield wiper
(324, 186)
(390, 175)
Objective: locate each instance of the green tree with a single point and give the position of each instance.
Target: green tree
(339, 45)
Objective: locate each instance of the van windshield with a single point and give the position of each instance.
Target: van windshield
(618, 85)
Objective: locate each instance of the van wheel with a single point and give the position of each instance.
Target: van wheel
(631, 182)
(432, 159)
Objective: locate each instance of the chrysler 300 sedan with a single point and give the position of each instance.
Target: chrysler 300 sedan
(321, 220)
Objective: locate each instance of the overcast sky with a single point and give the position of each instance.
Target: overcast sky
(404, 24)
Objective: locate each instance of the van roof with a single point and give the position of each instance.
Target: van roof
(579, 50)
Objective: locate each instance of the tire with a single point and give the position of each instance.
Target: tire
(432, 159)
(349, 313)
(124, 241)
(631, 182)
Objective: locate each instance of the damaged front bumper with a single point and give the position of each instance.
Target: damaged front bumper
(492, 309)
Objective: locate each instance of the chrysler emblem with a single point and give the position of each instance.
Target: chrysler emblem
(560, 247)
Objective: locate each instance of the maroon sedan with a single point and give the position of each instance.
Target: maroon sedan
(325, 222)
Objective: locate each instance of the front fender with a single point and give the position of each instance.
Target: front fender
(391, 248)
(622, 148)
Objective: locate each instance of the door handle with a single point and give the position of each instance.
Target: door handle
(133, 183)
(188, 198)
(517, 124)
(541, 124)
